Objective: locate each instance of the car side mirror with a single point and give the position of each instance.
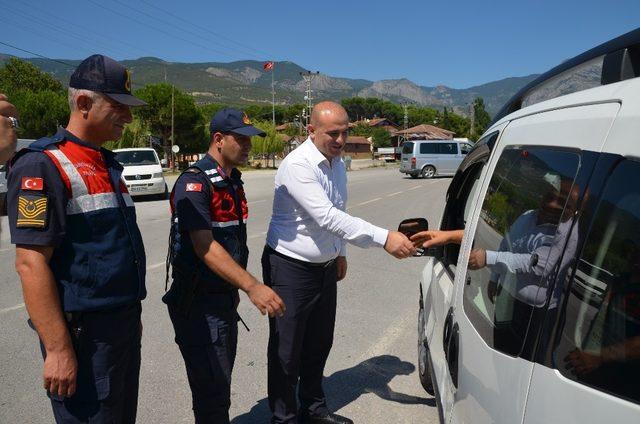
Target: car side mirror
(411, 226)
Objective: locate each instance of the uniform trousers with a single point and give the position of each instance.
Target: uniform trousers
(208, 338)
(107, 346)
(299, 341)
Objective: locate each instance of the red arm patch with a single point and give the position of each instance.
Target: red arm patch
(32, 183)
(194, 187)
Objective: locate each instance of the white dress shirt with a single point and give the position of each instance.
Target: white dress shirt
(309, 221)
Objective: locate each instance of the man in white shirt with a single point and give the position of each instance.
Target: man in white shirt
(304, 258)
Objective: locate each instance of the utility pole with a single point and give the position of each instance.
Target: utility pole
(308, 76)
(405, 121)
(473, 118)
(273, 95)
(173, 157)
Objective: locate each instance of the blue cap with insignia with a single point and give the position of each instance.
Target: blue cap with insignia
(229, 120)
(105, 75)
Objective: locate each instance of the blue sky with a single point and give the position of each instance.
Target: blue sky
(453, 43)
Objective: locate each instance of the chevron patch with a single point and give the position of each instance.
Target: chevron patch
(32, 211)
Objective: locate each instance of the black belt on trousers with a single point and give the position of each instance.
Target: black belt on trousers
(327, 264)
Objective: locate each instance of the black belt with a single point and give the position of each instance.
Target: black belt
(327, 264)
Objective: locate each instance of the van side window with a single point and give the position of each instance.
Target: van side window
(407, 148)
(599, 342)
(447, 148)
(428, 148)
(465, 148)
(525, 222)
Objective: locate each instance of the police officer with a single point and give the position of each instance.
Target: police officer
(79, 251)
(208, 253)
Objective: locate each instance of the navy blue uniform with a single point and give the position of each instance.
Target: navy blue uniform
(68, 195)
(202, 305)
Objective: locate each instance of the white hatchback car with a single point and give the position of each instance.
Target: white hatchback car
(535, 316)
(142, 172)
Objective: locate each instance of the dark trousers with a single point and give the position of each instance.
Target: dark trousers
(207, 338)
(108, 354)
(299, 341)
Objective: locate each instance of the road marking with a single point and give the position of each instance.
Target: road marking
(21, 305)
(12, 308)
(257, 235)
(395, 194)
(413, 188)
(257, 201)
(5, 250)
(369, 201)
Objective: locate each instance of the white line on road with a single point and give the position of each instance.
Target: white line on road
(257, 235)
(369, 201)
(12, 308)
(395, 194)
(415, 187)
(257, 201)
(21, 305)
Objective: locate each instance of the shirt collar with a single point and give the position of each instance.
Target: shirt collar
(315, 156)
(235, 172)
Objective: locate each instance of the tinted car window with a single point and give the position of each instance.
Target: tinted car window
(428, 148)
(465, 148)
(136, 157)
(599, 343)
(525, 222)
(407, 148)
(448, 148)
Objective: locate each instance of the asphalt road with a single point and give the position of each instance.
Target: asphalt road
(371, 372)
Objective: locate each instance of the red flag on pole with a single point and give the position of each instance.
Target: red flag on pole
(267, 66)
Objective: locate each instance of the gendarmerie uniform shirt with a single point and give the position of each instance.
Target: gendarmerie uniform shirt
(309, 221)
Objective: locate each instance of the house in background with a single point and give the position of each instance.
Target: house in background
(357, 147)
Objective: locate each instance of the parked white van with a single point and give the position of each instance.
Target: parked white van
(142, 172)
(535, 316)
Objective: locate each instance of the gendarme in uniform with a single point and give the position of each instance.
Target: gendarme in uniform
(67, 194)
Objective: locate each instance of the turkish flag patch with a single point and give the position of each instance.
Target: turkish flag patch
(194, 187)
(32, 183)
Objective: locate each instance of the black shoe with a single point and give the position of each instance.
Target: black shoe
(327, 419)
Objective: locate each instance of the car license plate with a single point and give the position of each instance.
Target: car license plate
(137, 189)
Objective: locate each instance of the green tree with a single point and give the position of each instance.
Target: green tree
(189, 123)
(361, 129)
(41, 112)
(380, 137)
(481, 119)
(18, 75)
(269, 146)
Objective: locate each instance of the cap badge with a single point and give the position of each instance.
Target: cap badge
(127, 80)
(246, 119)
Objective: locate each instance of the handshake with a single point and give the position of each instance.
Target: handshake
(399, 245)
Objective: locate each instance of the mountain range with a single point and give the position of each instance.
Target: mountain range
(243, 82)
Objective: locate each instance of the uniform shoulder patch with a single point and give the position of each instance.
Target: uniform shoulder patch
(194, 187)
(32, 183)
(32, 211)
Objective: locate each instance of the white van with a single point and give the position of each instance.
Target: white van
(535, 316)
(142, 172)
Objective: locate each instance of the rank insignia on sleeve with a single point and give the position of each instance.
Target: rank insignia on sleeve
(194, 187)
(32, 211)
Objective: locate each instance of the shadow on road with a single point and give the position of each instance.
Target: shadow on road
(345, 386)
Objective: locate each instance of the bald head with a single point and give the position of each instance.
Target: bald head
(329, 128)
(327, 110)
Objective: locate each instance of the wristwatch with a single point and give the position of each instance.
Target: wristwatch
(14, 122)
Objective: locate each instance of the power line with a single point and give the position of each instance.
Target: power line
(37, 54)
(205, 29)
(157, 29)
(42, 22)
(90, 31)
(174, 26)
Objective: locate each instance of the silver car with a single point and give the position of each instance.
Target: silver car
(430, 158)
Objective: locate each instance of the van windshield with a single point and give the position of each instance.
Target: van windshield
(137, 157)
(407, 148)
